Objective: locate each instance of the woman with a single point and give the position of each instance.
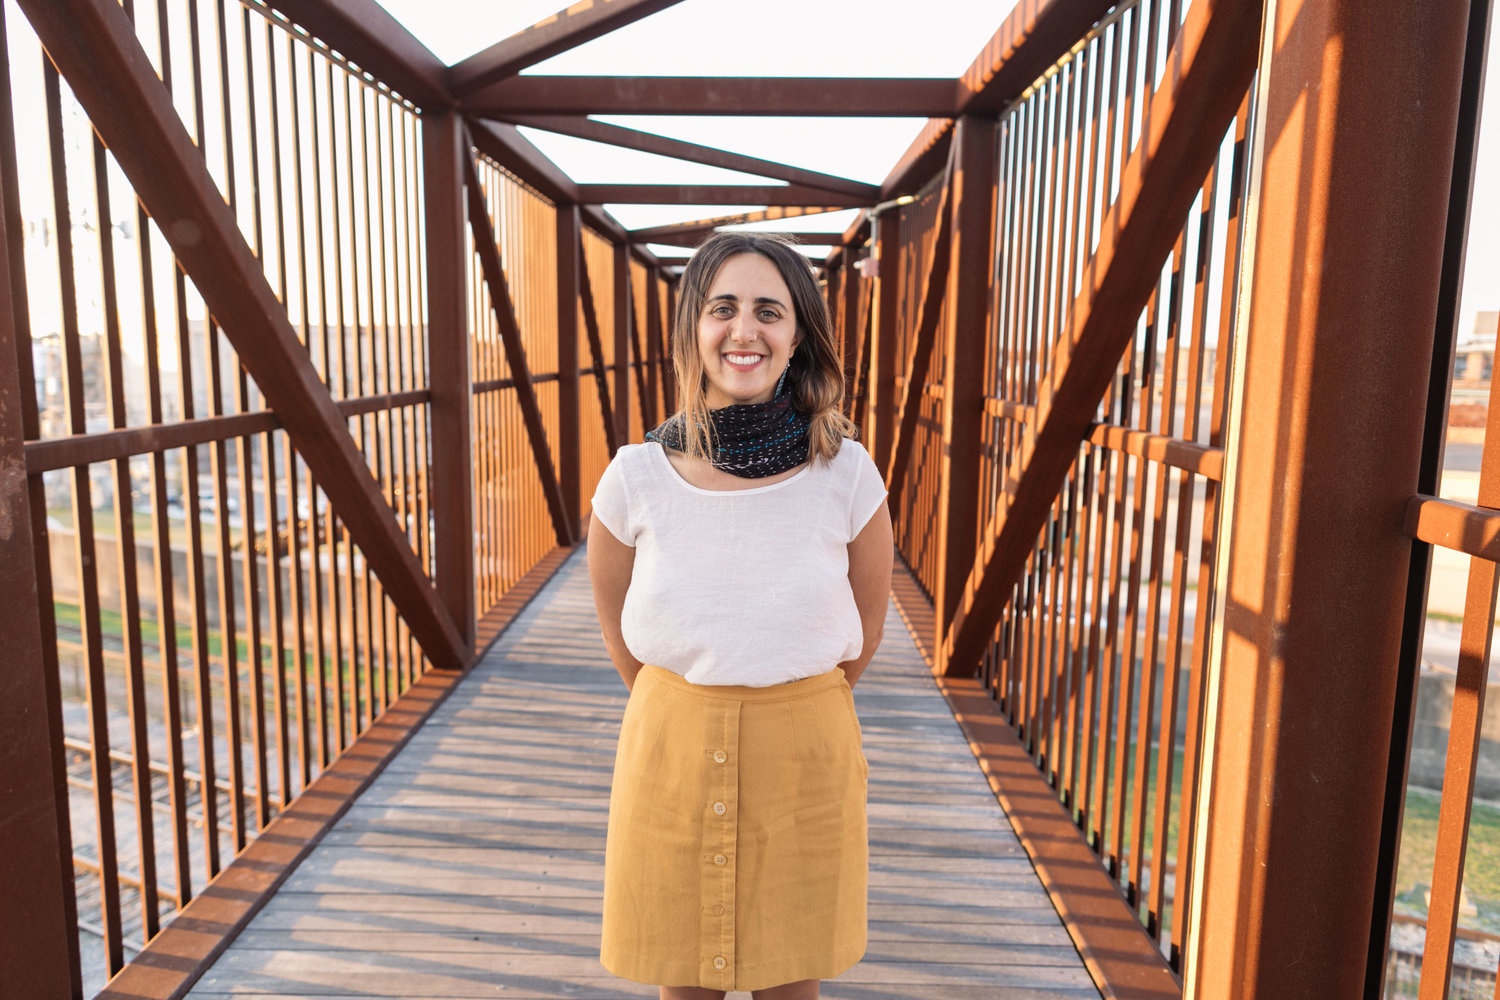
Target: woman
(744, 553)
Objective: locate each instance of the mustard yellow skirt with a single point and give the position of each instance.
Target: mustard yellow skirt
(738, 857)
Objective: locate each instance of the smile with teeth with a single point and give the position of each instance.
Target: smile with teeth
(743, 362)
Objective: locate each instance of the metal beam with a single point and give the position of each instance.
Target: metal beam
(493, 270)
(627, 346)
(569, 265)
(513, 151)
(445, 152)
(659, 331)
(37, 915)
(1209, 68)
(842, 97)
(921, 161)
(596, 349)
(367, 35)
(714, 194)
(564, 30)
(649, 142)
(972, 198)
(1034, 36)
(919, 358)
(94, 45)
(508, 147)
(1031, 39)
(701, 226)
(1351, 202)
(882, 411)
(691, 238)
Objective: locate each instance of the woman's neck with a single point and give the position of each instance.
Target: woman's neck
(700, 473)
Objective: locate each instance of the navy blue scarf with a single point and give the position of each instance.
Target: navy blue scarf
(749, 440)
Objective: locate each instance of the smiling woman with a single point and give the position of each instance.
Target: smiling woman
(748, 333)
(739, 614)
(747, 294)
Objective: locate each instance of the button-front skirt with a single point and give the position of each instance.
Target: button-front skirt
(737, 856)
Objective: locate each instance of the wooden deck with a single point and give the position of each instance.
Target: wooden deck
(472, 867)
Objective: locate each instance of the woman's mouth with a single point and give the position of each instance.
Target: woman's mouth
(743, 362)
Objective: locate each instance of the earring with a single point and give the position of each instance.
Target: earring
(781, 382)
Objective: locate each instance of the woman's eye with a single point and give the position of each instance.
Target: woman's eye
(769, 315)
(721, 311)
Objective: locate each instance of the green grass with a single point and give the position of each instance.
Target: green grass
(1481, 866)
(112, 628)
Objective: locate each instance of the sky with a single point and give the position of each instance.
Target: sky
(814, 38)
(697, 38)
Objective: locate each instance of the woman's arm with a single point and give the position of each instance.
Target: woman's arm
(870, 576)
(610, 564)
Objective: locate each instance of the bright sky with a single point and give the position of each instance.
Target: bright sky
(813, 38)
(713, 38)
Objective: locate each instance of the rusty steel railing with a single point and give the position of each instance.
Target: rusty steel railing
(1062, 505)
(219, 632)
(1094, 670)
(206, 601)
(317, 358)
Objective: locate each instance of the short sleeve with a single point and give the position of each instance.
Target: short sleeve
(611, 501)
(869, 491)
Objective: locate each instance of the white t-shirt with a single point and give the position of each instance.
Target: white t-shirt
(746, 586)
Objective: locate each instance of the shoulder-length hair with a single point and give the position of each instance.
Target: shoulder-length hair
(815, 376)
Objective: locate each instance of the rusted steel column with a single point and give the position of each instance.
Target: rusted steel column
(833, 281)
(569, 269)
(37, 915)
(653, 351)
(849, 322)
(1359, 116)
(443, 150)
(881, 424)
(972, 204)
(624, 318)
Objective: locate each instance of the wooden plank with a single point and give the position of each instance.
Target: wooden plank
(476, 861)
(1122, 959)
(175, 959)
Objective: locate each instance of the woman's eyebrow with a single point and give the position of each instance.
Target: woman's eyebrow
(762, 300)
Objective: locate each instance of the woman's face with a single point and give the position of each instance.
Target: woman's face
(746, 332)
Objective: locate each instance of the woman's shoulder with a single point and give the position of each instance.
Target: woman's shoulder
(851, 456)
(635, 456)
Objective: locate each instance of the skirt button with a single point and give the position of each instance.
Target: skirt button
(719, 962)
(719, 859)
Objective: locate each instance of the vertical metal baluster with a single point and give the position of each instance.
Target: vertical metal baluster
(85, 550)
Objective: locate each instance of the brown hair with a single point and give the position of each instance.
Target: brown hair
(815, 377)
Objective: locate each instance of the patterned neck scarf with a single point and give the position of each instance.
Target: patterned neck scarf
(749, 440)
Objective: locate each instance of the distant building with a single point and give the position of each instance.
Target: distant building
(1474, 356)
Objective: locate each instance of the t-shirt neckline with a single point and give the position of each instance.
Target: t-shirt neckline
(671, 470)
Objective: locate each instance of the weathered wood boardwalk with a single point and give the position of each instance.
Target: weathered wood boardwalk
(473, 866)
